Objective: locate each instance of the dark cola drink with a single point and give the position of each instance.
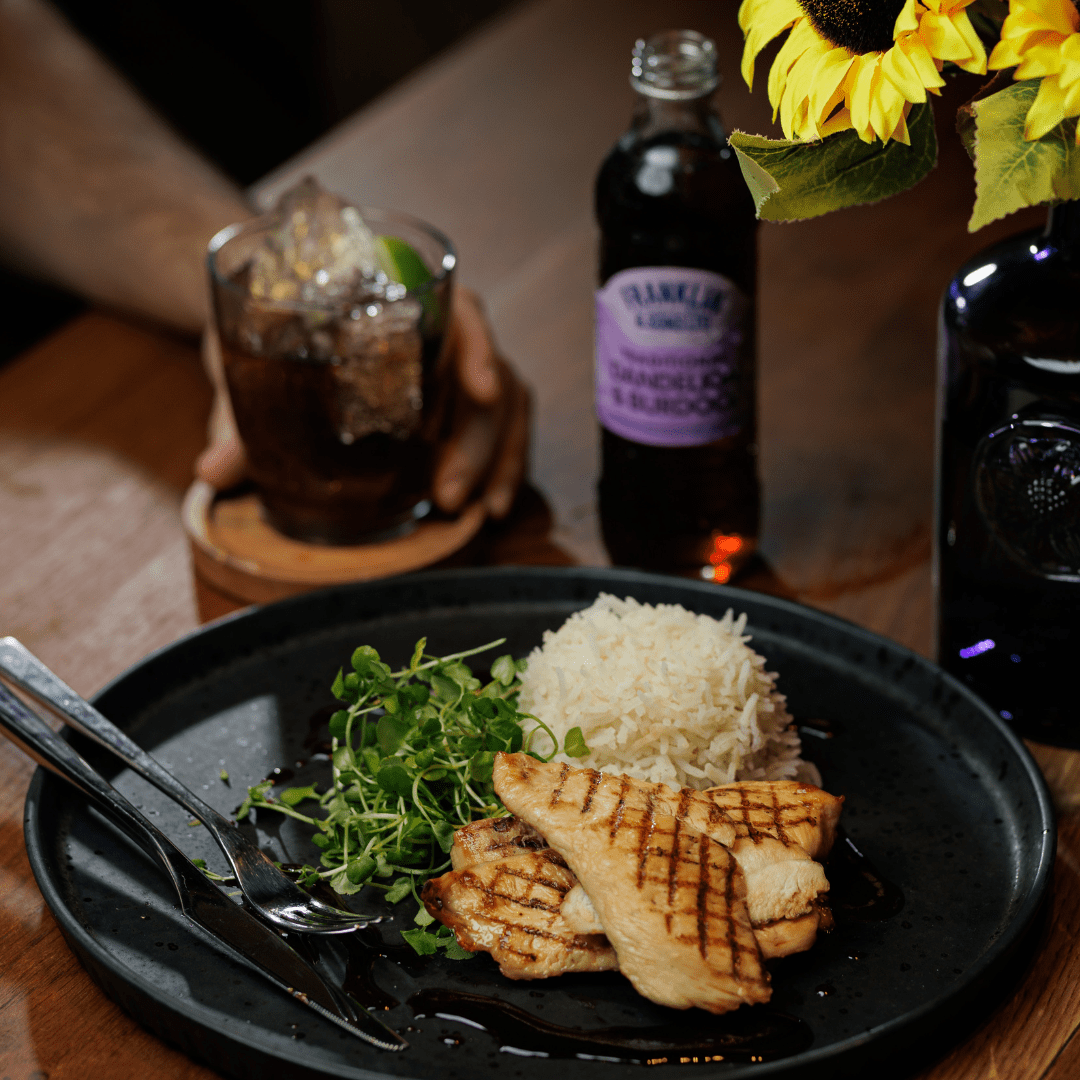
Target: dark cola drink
(332, 342)
(1008, 544)
(342, 449)
(675, 326)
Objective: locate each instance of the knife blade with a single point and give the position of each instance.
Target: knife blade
(228, 925)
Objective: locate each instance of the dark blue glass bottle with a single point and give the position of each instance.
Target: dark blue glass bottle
(1008, 530)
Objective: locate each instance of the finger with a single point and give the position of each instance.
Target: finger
(473, 348)
(513, 456)
(467, 456)
(222, 464)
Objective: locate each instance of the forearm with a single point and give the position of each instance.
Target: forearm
(96, 193)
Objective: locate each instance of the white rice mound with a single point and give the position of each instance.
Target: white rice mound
(663, 694)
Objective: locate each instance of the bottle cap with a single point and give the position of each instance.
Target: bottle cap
(675, 65)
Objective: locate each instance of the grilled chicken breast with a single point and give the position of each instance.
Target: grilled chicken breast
(492, 839)
(671, 900)
(782, 827)
(511, 908)
(783, 810)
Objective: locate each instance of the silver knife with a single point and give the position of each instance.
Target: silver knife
(230, 926)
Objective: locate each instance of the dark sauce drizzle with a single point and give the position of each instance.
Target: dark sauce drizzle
(746, 1035)
(858, 892)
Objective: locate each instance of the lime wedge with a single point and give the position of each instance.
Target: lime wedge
(400, 262)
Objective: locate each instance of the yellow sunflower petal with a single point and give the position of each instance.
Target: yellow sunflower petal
(1040, 60)
(801, 38)
(919, 55)
(943, 39)
(902, 73)
(827, 83)
(907, 21)
(761, 21)
(976, 62)
(1071, 102)
(865, 72)
(795, 105)
(839, 121)
(1048, 110)
(886, 108)
(900, 134)
(1059, 15)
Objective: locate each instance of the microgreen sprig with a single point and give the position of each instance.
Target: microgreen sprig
(412, 753)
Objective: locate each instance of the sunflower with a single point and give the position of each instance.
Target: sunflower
(1041, 39)
(857, 64)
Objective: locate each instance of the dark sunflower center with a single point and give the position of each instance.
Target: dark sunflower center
(861, 26)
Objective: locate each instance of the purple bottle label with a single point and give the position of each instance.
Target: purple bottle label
(669, 356)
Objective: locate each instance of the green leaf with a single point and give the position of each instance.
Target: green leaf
(321, 842)
(399, 890)
(224, 775)
(574, 744)
(459, 672)
(424, 943)
(794, 180)
(423, 917)
(395, 779)
(390, 735)
(444, 689)
(341, 884)
(504, 670)
(482, 708)
(480, 766)
(371, 760)
(338, 723)
(455, 952)
(444, 834)
(1010, 172)
(365, 662)
(359, 870)
(338, 686)
(418, 654)
(293, 796)
(469, 744)
(256, 796)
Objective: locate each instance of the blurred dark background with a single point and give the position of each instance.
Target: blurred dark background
(248, 82)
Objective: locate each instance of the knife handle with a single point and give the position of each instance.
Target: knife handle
(20, 667)
(32, 735)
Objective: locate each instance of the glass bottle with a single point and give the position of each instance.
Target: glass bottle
(1008, 544)
(675, 316)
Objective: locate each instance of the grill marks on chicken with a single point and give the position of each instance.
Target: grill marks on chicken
(782, 828)
(511, 906)
(492, 839)
(692, 888)
(670, 898)
(794, 814)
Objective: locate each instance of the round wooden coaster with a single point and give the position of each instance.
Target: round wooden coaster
(237, 552)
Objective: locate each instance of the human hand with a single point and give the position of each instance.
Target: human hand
(486, 452)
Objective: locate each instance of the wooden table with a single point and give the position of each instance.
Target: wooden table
(498, 143)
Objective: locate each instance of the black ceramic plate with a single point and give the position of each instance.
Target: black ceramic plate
(941, 797)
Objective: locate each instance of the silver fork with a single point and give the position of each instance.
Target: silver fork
(271, 892)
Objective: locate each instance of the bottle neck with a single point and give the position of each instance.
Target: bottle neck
(1063, 227)
(655, 115)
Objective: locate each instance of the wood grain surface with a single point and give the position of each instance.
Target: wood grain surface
(497, 143)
